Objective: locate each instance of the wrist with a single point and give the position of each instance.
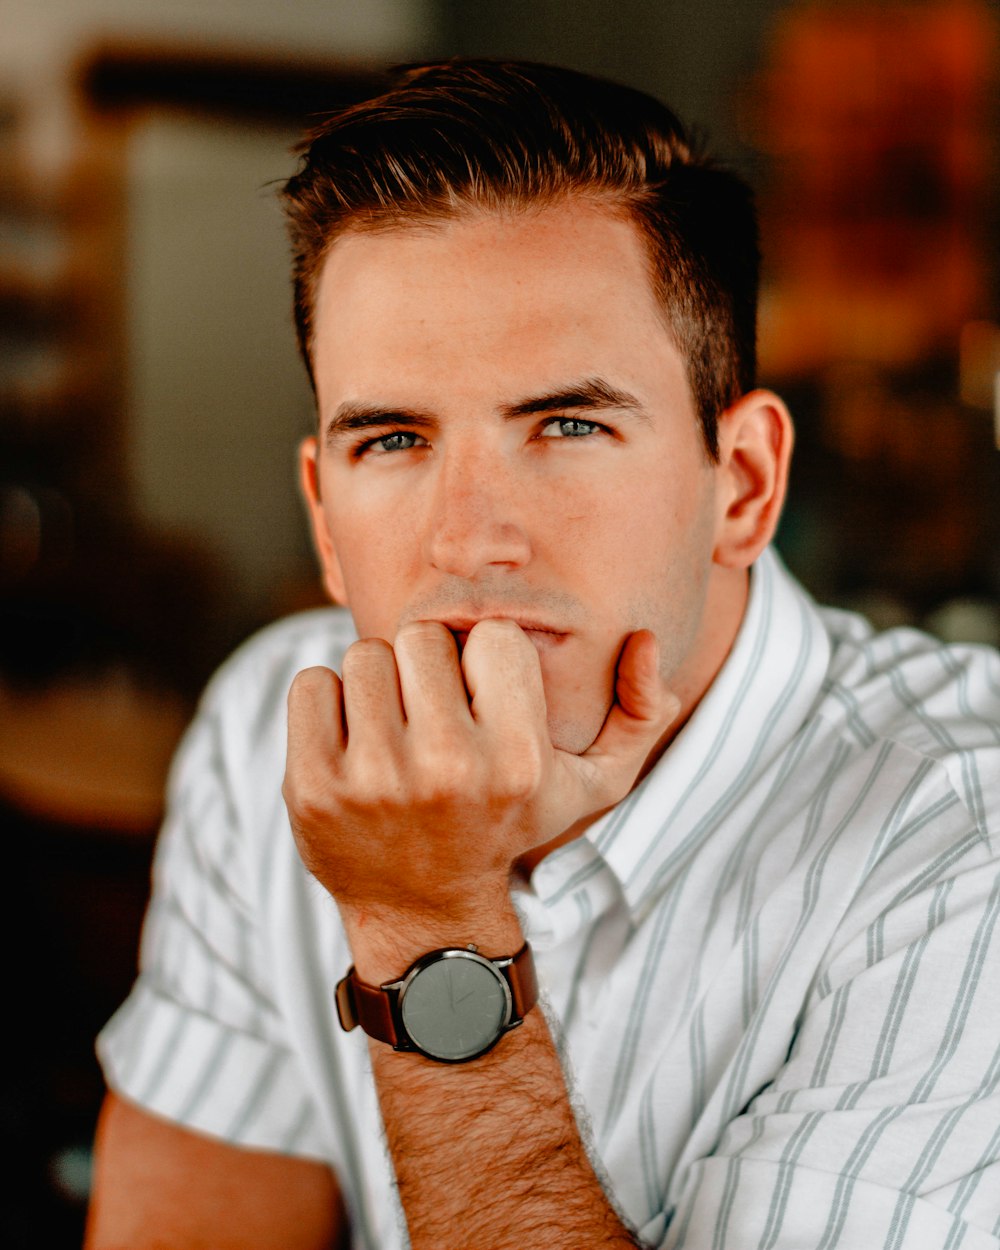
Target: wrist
(386, 940)
(451, 1005)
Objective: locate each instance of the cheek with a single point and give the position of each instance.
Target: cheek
(631, 530)
(663, 560)
(373, 555)
(577, 701)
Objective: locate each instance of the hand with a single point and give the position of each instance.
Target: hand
(415, 783)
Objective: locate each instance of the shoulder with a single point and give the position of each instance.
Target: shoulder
(321, 632)
(242, 712)
(261, 669)
(227, 773)
(940, 702)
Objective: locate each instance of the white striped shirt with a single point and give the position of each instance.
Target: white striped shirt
(774, 969)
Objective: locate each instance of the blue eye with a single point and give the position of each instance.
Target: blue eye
(569, 427)
(398, 440)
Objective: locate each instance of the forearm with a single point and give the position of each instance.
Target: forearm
(486, 1152)
(413, 786)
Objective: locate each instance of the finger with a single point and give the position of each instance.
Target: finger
(315, 715)
(373, 704)
(430, 677)
(643, 708)
(504, 677)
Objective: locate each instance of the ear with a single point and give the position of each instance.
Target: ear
(333, 577)
(755, 448)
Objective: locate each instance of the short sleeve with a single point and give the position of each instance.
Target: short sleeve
(200, 1040)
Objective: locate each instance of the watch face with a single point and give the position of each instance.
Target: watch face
(455, 1006)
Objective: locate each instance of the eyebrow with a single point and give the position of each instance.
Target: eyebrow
(354, 415)
(591, 395)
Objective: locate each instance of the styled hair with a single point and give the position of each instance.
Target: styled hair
(448, 138)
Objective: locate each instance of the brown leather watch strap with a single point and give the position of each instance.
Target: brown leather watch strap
(371, 1006)
(367, 1005)
(523, 981)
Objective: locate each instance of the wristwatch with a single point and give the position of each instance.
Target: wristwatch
(451, 1005)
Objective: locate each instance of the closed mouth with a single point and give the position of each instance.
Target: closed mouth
(540, 634)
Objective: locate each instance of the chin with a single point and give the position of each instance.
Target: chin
(576, 711)
(573, 734)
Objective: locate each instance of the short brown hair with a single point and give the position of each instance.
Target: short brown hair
(467, 134)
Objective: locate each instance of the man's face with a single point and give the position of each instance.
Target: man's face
(506, 429)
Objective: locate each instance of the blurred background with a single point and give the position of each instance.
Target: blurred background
(151, 399)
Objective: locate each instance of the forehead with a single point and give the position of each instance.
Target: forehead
(564, 288)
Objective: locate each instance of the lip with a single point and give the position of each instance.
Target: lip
(539, 633)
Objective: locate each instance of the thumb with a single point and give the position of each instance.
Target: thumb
(643, 707)
(642, 711)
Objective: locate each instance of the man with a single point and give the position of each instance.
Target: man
(751, 845)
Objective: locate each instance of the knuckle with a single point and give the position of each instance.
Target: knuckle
(310, 683)
(445, 773)
(307, 802)
(521, 774)
(365, 653)
(421, 634)
(372, 790)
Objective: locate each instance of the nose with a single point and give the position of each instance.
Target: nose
(474, 521)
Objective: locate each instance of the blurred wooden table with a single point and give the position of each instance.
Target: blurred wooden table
(91, 754)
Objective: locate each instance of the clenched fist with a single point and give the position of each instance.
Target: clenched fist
(416, 780)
